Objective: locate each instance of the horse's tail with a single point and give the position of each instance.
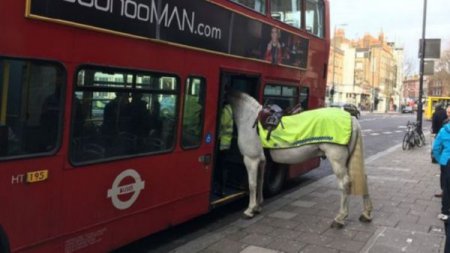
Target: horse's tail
(355, 164)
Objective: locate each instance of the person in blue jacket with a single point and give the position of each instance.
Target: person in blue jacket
(441, 152)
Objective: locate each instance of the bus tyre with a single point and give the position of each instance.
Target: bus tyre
(274, 178)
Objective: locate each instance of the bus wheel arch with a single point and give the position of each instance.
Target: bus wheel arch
(4, 242)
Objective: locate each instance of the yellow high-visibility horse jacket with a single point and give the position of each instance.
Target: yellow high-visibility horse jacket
(330, 125)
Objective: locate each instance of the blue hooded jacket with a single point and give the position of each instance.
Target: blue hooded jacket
(441, 145)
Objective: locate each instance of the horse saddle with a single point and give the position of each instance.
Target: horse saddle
(271, 114)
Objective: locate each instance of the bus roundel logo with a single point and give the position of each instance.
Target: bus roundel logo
(117, 189)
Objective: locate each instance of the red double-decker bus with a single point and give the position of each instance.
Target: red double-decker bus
(109, 110)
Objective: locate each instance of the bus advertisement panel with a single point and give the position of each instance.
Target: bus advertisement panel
(199, 24)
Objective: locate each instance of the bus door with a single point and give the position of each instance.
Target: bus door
(230, 176)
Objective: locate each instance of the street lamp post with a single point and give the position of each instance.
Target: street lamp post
(422, 65)
(372, 62)
(333, 88)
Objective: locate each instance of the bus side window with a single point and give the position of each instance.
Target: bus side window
(284, 96)
(125, 113)
(304, 97)
(314, 17)
(193, 113)
(31, 100)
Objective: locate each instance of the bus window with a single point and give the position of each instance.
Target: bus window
(256, 5)
(314, 17)
(194, 108)
(288, 12)
(31, 101)
(304, 97)
(120, 113)
(284, 96)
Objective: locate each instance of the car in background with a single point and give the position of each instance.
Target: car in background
(407, 109)
(352, 109)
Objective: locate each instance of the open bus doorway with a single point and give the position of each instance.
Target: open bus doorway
(230, 178)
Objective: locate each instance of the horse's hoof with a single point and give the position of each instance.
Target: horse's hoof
(337, 225)
(257, 210)
(248, 215)
(364, 218)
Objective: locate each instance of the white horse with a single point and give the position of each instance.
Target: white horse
(245, 112)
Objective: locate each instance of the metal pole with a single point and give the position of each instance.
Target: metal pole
(422, 64)
(373, 80)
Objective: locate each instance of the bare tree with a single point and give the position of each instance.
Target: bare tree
(410, 67)
(442, 72)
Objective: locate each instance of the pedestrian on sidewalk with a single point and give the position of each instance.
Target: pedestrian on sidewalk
(438, 119)
(441, 151)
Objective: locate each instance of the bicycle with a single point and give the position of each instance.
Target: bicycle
(413, 136)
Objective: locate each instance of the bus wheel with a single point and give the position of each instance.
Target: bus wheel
(274, 178)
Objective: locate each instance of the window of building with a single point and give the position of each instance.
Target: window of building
(256, 5)
(120, 113)
(193, 112)
(314, 17)
(287, 11)
(31, 103)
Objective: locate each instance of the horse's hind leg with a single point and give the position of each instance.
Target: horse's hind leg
(366, 216)
(252, 171)
(340, 170)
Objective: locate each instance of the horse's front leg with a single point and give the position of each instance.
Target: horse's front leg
(260, 185)
(252, 171)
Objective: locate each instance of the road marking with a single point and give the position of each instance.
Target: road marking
(374, 134)
(367, 130)
(396, 179)
(387, 132)
(382, 153)
(393, 169)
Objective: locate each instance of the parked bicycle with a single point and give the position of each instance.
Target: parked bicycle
(413, 136)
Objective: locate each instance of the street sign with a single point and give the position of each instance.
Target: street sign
(428, 68)
(432, 48)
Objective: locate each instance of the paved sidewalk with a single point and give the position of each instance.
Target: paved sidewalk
(402, 185)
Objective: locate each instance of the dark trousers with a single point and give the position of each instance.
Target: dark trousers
(441, 177)
(445, 184)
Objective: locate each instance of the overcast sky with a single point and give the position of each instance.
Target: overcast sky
(401, 20)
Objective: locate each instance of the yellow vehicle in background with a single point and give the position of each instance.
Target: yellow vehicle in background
(431, 104)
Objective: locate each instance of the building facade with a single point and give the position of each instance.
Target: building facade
(365, 72)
